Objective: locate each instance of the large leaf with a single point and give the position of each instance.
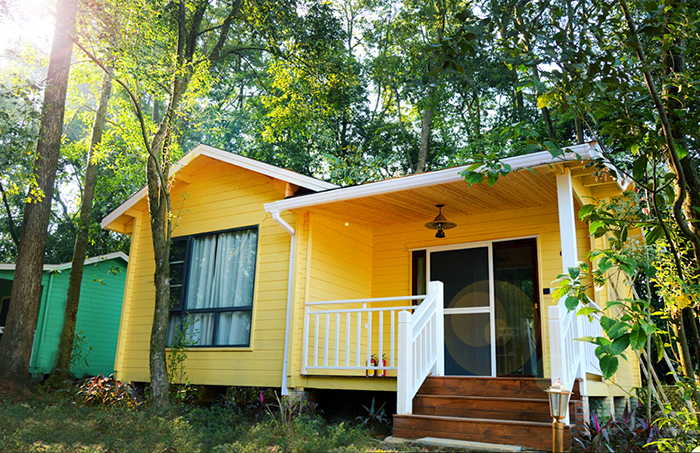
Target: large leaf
(638, 338)
(620, 344)
(617, 329)
(608, 365)
(571, 303)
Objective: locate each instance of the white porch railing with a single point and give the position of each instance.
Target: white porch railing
(571, 359)
(340, 335)
(421, 347)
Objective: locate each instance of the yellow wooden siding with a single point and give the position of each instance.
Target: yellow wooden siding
(335, 263)
(218, 197)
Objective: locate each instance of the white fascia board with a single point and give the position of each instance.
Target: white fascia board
(93, 260)
(12, 267)
(583, 151)
(265, 169)
(96, 259)
(122, 208)
(234, 159)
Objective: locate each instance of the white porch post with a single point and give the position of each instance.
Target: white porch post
(567, 220)
(569, 258)
(404, 377)
(438, 288)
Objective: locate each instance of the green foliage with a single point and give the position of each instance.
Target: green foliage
(81, 350)
(54, 423)
(374, 415)
(180, 388)
(630, 434)
(289, 409)
(106, 391)
(627, 322)
(681, 432)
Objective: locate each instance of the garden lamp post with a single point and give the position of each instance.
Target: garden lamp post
(558, 403)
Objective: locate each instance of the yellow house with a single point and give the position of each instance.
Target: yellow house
(295, 283)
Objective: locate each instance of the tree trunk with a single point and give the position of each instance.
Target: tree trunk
(160, 386)
(425, 130)
(17, 340)
(578, 126)
(61, 369)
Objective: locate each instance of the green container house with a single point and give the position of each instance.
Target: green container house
(99, 313)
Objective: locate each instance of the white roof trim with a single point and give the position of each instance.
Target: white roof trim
(63, 266)
(583, 151)
(234, 159)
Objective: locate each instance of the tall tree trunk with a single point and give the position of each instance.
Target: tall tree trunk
(61, 369)
(425, 130)
(578, 126)
(16, 343)
(427, 120)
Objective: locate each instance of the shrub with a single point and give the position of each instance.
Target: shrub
(632, 433)
(106, 391)
(681, 432)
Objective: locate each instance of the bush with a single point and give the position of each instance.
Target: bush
(106, 391)
(632, 433)
(681, 432)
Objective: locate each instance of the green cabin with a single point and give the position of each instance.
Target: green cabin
(99, 313)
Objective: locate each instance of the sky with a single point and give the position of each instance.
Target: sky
(31, 21)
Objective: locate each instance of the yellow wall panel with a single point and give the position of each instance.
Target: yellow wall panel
(220, 197)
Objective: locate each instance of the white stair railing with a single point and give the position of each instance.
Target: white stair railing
(421, 347)
(571, 359)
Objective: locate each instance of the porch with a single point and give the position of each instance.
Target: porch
(363, 254)
(347, 337)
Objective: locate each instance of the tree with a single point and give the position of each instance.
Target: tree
(189, 37)
(65, 346)
(16, 342)
(623, 70)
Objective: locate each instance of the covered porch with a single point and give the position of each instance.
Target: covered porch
(362, 259)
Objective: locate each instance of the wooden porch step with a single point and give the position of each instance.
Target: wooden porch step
(511, 387)
(535, 435)
(498, 408)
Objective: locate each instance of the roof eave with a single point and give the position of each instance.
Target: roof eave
(583, 151)
(224, 156)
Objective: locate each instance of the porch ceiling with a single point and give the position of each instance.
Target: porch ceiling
(520, 189)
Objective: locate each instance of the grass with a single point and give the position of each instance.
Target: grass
(59, 422)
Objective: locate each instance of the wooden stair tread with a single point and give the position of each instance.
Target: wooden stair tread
(477, 420)
(484, 398)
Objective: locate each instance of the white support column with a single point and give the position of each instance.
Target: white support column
(438, 288)
(567, 220)
(404, 402)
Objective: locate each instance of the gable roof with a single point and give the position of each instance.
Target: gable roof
(247, 163)
(583, 151)
(63, 266)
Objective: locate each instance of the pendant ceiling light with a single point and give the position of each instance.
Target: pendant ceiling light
(440, 223)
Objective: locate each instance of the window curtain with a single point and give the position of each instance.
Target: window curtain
(222, 276)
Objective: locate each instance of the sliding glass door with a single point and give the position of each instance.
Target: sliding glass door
(492, 325)
(467, 276)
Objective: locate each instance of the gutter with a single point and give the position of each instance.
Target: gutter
(290, 288)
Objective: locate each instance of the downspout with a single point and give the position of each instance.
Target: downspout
(290, 288)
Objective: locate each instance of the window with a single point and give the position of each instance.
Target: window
(211, 284)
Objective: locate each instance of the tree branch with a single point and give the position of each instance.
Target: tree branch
(10, 221)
